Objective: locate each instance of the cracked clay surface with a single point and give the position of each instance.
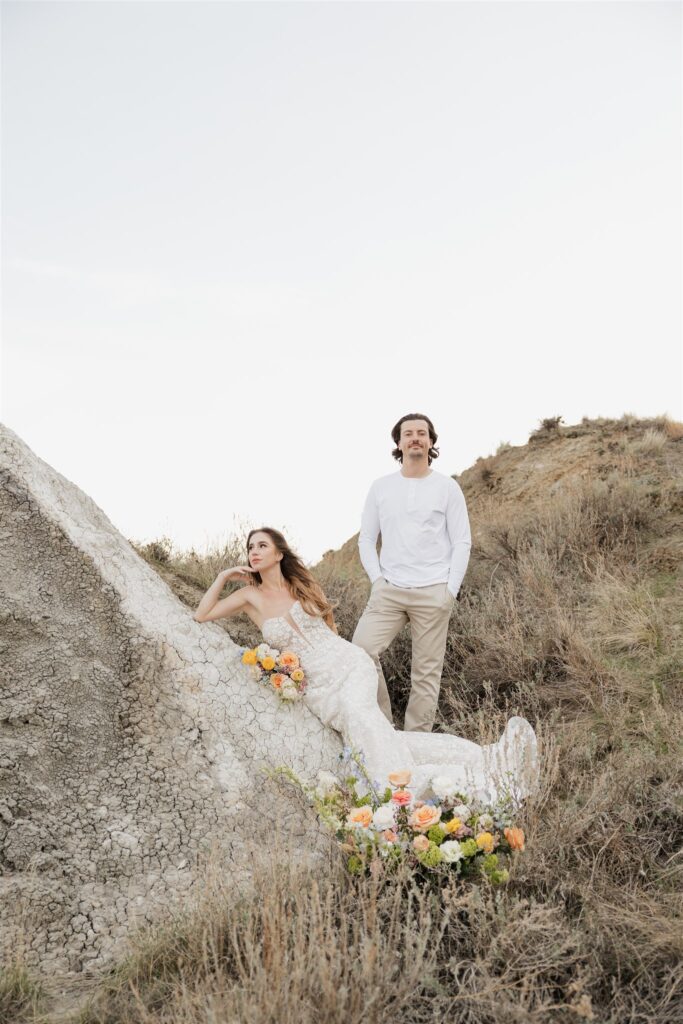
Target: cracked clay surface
(131, 738)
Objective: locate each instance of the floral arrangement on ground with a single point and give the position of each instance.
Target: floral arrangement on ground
(453, 834)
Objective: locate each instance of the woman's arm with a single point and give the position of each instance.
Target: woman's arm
(210, 608)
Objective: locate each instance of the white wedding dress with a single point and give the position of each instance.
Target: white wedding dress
(342, 691)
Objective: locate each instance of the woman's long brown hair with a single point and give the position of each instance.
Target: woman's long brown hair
(305, 589)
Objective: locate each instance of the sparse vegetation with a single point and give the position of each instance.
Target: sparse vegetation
(21, 995)
(571, 615)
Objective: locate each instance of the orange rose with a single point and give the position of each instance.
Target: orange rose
(298, 675)
(398, 779)
(402, 797)
(277, 680)
(288, 660)
(360, 817)
(268, 663)
(390, 835)
(485, 842)
(424, 817)
(249, 658)
(515, 837)
(420, 843)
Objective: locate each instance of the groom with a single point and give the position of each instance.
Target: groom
(422, 517)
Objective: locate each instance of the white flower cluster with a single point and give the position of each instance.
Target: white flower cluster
(384, 817)
(264, 651)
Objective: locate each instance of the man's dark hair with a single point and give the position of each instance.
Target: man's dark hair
(433, 436)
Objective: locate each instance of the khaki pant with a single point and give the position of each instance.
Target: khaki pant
(428, 610)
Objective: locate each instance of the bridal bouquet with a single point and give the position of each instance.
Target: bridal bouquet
(280, 671)
(452, 834)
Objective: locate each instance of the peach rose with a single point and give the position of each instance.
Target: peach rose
(249, 658)
(298, 675)
(515, 837)
(390, 835)
(402, 797)
(288, 660)
(360, 817)
(268, 663)
(420, 843)
(424, 817)
(485, 842)
(277, 680)
(399, 779)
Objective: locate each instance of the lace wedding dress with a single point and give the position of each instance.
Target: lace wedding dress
(342, 691)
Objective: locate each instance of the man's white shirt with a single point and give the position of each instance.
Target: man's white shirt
(425, 531)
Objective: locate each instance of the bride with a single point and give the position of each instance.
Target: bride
(286, 603)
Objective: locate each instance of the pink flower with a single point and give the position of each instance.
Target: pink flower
(402, 797)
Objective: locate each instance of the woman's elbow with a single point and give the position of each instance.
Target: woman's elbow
(197, 617)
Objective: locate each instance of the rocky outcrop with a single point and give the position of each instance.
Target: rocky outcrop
(131, 738)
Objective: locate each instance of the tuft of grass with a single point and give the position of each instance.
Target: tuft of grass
(21, 995)
(651, 442)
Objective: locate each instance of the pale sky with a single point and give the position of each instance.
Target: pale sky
(240, 240)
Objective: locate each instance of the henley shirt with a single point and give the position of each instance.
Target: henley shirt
(425, 531)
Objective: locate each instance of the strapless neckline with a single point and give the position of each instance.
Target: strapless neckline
(278, 618)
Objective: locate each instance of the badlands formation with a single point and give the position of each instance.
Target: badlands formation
(131, 738)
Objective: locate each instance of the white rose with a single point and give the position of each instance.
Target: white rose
(255, 671)
(262, 650)
(450, 851)
(445, 787)
(485, 822)
(288, 692)
(327, 784)
(461, 811)
(383, 818)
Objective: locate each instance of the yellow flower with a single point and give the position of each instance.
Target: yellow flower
(268, 663)
(298, 675)
(485, 842)
(451, 826)
(249, 658)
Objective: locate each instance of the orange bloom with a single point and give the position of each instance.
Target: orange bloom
(277, 680)
(361, 816)
(402, 797)
(390, 835)
(424, 817)
(288, 660)
(298, 675)
(249, 658)
(420, 843)
(399, 779)
(268, 663)
(515, 837)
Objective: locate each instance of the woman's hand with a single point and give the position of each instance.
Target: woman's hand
(238, 574)
(210, 607)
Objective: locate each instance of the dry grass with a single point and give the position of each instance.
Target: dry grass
(21, 995)
(652, 442)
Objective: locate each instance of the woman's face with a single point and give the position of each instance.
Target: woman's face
(262, 552)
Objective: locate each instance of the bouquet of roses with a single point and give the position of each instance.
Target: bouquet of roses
(280, 671)
(453, 834)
